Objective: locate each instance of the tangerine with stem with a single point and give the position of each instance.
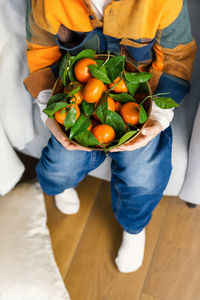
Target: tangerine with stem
(77, 97)
(120, 87)
(60, 115)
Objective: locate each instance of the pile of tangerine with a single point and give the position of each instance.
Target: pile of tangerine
(91, 91)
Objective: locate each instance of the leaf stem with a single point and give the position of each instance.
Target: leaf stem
(107, 59)
(107, 92)
(149, 96)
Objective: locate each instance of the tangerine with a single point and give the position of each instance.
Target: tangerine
(78, 97)
(60, 115)
(117, 106)
(81, 69)
(104, 133)
(120, 87)
(90, 127)
(105, 88)
(130, 113)
(93, 90)
(111, 106)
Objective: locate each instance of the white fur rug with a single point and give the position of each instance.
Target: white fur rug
(28, 269)
(16, 121)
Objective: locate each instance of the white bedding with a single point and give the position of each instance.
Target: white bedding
(16, 121)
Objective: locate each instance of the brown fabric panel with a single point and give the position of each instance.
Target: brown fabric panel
(38, 11)
(40, 36)
(95, 22)
(131, 43)
(39, 81)
(154, 79)
(179, 61)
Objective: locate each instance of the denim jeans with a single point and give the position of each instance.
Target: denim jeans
(138, 177)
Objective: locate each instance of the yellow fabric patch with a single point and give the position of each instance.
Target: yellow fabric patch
(39, 57)
(50, 14)
(139, 19)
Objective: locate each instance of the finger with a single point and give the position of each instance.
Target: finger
(70, 146)
(138, 143)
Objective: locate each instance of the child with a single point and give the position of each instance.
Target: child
(156, 36)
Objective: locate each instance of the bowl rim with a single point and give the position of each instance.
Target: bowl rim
(149, 109)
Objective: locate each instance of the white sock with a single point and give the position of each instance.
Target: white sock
(131, 253)
(68, 201)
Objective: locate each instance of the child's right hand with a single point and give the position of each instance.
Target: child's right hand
(42, 101)
(61, 136)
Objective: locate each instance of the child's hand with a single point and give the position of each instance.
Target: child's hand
(61, 137)
(150, 131)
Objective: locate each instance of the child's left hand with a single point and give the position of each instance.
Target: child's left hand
(150, 131)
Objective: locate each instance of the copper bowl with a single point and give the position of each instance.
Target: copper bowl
(143, 91)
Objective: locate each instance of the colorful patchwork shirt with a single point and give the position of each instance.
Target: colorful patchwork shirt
(154, 34)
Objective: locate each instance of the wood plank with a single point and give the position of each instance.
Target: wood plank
(175, 270)
(93, 274)
(148, 297)
(66, 230)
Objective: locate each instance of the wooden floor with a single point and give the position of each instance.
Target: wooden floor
(86, 244)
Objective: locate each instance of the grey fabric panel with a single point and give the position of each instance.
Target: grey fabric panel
(193, 99)
(179, 32)
(42, 135)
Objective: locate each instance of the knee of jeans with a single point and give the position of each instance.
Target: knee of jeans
(145, 181)
(59, 177)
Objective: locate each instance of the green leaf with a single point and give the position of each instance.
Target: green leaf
(115, 66)
(132, 87)
(102, 110)
(142, 115)
(124, 138)
(143, 88)
(103, 70)
(70, 118)
(115, 121)
(99, 73)
(71, 69)
(122, 98)
(139, 77)
(64, 68)
(73, 91)
(81, 124)
(83, 54)
(56, 98)
(53, 108)
(87, 138)
(88, 108)
(165, 102)
(99, 62)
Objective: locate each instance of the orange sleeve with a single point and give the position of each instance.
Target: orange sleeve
(42, 53)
